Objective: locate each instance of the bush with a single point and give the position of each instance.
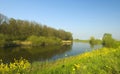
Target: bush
(108, 41)
(94, 41)
(43, 41)
(53, 41)
(21, 66)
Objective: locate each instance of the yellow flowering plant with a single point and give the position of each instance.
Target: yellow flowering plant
(18, 66)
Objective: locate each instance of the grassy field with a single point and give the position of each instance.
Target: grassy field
(101, 61)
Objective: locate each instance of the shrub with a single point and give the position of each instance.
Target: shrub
(108, 41)
(21, 66)
(38, 41)
(94, 41)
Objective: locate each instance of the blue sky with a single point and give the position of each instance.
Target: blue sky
(84, 18)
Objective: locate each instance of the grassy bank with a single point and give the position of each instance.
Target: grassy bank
(102, 61)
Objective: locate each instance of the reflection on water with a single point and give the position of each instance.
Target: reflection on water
(77, 48)
(44, 53)
(32, 53)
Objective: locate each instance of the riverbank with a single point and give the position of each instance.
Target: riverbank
(83, 41)
(102, 61)
(67, 42)
(38, 42)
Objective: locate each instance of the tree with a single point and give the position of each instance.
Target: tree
(108, 41)
(2, 40)
(92, 41)
(22, 29)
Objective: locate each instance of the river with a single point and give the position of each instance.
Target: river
(48, 53)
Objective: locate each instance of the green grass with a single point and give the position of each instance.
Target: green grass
(102, 61)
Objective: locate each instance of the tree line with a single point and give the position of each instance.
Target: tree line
(16, 29)
(107, 41)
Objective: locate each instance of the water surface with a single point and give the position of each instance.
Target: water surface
(45, 53)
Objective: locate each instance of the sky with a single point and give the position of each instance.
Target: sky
(83, 18)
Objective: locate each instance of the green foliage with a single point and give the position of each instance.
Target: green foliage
(37, 33)
(102, 61)
(40, 40)
(53, 41)
(94, 41)
(98, 41)
(108, 41)
(2, 40)
(21, 30)
(35, 40)
(21, 66)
